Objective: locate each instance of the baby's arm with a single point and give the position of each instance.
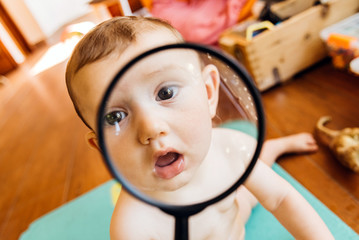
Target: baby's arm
(286, 204)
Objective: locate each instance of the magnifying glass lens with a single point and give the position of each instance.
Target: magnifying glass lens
(181, 125)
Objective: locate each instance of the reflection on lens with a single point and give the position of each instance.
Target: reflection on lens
(184, 126)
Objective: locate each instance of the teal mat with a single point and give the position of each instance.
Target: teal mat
(88, 217)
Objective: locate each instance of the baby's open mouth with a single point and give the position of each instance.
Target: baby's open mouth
(167, 159)
(169, 165)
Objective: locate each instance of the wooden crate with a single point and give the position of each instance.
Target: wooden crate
(278, 54)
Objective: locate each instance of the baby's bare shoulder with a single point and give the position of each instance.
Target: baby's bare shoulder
(231, 133)
(234, 149)
(224, 137)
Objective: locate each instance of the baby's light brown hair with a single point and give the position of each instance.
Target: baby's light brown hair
(110, 37)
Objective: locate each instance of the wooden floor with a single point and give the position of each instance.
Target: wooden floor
(45, 162)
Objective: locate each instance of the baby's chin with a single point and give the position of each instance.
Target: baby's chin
(169, 191)
(169, 185)
(174, 190)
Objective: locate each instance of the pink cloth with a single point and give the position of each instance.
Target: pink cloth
(199, 21)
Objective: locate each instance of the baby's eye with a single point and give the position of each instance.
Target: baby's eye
(166, 93)
(115, 117)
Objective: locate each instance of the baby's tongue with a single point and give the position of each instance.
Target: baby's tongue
(169, 165)
(167, 159)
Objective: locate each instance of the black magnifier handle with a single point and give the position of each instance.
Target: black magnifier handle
(181, 228)
(181, 220)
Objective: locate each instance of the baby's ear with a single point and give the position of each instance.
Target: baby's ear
(211, 80)
(91, 139)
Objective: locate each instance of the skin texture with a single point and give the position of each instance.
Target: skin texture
(152, 127)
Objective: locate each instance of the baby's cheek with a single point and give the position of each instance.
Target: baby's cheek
(200, 134)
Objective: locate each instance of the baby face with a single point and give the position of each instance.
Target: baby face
(158, 118)
(158, 121)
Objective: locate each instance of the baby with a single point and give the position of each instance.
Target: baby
(166, 135)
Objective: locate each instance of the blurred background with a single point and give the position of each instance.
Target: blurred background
(44, 159)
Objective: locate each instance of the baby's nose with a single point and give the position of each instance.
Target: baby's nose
(151, 127)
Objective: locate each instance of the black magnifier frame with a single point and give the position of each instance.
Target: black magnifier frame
(183, 212)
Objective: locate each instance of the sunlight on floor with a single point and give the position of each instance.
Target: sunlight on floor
(55, 55)
(62, 50)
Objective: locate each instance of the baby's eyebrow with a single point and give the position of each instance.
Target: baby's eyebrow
(112, 104)
(188, 68)
(163, 69)
(107, 109)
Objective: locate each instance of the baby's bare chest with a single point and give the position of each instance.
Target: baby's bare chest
(219, 221)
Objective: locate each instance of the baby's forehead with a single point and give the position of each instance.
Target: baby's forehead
(165, 61)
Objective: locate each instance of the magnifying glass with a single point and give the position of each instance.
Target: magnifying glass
(181, 127)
